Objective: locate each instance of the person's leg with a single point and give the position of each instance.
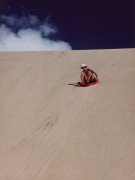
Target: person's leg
(93, 79)
(84, 78)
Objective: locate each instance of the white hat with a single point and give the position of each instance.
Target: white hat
(83, 65)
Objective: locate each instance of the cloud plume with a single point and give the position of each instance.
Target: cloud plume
(28, 34)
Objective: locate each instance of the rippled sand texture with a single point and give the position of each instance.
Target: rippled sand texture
(50, 130)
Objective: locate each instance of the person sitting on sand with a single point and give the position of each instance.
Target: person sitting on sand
(87, 76)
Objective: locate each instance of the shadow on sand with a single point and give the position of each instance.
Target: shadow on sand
(75, 84)
(78, 84)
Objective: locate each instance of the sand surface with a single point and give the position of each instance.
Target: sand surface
(50, 130)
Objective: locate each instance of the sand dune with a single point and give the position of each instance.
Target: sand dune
(50, 130)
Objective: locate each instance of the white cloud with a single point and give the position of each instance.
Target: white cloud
(47, 29)
(28, 34)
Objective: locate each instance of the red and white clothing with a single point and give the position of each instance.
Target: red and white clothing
(88, 76)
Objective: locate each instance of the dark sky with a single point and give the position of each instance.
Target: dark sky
(85, 24)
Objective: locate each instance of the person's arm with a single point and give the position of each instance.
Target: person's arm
(89, 76)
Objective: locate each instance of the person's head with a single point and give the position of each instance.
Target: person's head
(83, 66)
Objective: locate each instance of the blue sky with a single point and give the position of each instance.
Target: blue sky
(66, 24)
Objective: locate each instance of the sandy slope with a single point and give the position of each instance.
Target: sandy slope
(50, 130)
